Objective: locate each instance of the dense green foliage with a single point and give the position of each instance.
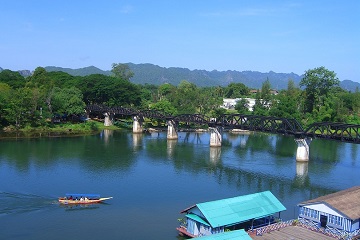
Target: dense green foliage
(35, 100)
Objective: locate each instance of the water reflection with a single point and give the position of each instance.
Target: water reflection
(301, 178)
(215, 154)
(79, 207)
(171, 144)
(257, 161)
(148, 189)
(137, 141)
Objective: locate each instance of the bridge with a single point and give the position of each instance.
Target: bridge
(324, 130)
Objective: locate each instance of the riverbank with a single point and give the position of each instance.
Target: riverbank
(56, 130)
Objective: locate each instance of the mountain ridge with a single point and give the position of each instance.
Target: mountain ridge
(147, 73)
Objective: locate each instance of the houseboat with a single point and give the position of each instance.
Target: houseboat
(337, 213)
(242, 212)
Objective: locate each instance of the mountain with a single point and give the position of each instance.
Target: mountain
(153, 74)
(24, 73)
(147, 73)
(158, 75)
(350, 85)
(78, 72)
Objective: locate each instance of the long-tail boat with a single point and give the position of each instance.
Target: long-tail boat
(82, 198)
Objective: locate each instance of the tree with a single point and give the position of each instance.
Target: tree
(67, 100)
(265, 94)
(165, 90)
(263, 100)
(242, 106)
(207, 100)
(236, 90)
(21, 107)
(14, 79)
(287, 103)
(5, 93)
(122, 71)
(186, 97)
(165, 107)
(318, 83)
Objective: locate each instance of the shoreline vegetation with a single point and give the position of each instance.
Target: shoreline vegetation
(44, 101)
(57, 130)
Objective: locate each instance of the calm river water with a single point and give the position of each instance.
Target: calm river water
(153, 179)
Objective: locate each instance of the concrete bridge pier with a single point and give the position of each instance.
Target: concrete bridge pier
(137, 124)
(108, 121)
(215, 137)
(171, 131)
(303, 150)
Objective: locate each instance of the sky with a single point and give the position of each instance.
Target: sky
(278, 35)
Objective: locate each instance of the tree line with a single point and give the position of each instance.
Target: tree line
(35, 100)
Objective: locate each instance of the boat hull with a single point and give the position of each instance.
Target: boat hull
(89, 201)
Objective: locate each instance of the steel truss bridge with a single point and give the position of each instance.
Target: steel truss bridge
(325, 130)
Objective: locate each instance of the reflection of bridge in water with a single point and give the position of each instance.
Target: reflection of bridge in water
(325, 130)
(248, 179)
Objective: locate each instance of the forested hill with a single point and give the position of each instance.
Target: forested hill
(153, 74)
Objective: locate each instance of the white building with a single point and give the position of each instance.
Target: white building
(229, 103)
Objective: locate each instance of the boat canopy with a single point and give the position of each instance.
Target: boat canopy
(79, 195)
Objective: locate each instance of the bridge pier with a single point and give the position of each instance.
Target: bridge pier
(215, 137)
(171, 130)
(137, 124)
(108, 121)
(303, 151)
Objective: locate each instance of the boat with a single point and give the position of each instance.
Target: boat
(82, 198)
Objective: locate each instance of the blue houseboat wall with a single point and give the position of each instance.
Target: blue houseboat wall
(318, 213)
(200, 228)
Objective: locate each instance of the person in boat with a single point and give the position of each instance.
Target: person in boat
(81, 199)
(86, 199)
(70, 198)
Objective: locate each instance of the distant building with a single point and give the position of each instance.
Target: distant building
(337, 213)
(229, 103)
(272, 91)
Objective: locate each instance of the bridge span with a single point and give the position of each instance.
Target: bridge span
(325, 130)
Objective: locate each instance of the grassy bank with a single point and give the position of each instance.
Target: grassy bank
(89, 127)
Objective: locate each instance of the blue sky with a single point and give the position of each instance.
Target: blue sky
(280, 36)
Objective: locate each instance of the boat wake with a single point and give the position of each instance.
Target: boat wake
(15, 203)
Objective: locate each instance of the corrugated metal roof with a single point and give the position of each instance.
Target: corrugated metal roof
(197, 218)
(232, 235)
(240, 209)
(345, 201)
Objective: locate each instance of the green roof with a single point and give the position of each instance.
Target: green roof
(238, 235)
(235, 210)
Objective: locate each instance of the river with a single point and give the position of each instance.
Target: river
(151, 179)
